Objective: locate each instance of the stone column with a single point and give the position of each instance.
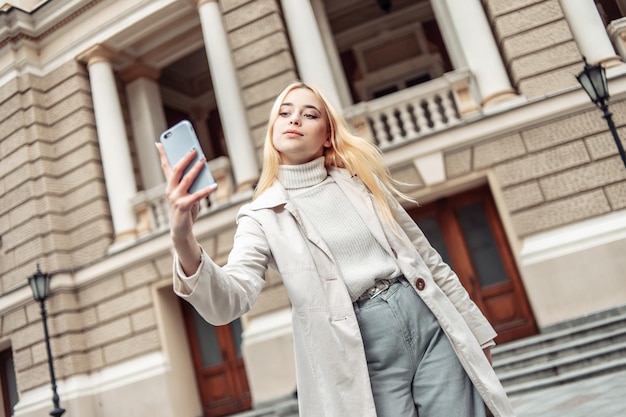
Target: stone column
(308, 48)
(240, 145)
(199, 116)
(147, 119)
(467, 22)
(589, 32)
(116, 161)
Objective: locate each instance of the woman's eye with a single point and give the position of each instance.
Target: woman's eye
(310, 116)
(283, 114)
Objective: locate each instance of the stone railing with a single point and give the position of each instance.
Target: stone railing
(152, 210)
(414, 112)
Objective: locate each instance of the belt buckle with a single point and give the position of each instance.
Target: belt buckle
(380, 287)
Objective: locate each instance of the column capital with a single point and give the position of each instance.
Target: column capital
(138, 70)
(97, 53)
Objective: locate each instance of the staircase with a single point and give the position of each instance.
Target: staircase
(582, 348)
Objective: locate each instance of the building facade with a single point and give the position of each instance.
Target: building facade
(474, 104)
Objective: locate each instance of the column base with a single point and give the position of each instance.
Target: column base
(498, 97)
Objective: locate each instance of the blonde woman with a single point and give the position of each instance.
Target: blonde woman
(381, 325)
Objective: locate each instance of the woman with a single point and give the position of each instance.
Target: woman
(381, 325)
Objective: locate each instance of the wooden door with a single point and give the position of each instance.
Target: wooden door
(218, 363)
(467, 232)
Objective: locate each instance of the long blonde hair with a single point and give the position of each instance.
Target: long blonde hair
(360, 157)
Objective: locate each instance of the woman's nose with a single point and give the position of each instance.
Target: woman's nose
(295, 120)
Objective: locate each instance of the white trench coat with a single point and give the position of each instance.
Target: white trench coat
(331, 368)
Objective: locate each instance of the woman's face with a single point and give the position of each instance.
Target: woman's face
(300, 132)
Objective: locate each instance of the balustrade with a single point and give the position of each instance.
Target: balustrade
(414, 112)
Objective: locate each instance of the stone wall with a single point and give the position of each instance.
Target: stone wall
(555, 173)
(54, 204)
(536, 44)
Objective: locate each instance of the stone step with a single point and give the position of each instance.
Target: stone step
(582, 348)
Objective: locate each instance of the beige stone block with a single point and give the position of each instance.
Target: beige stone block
(565, 211)
(96, 358)
(89, 211)
(76, 363)
(143, 320)
(83, 136)
(25, 337)
(249, 12)
(61, 302)
(458, 163)
(581, 179)
(140, 275)
(527, 18)
(12, 141)
(556, 80)
(545, 60)
(538, 39)
(107, 333)
(35, 376)
(163, 264)
(68, 105)
(224, 242)
(567, 129)
(540, 164)
(259, 114)
(258, 50)
(266, 68)
(13, 161)
(499, 7)
(104, 289)
(82, 117)
(88, 317)
(603, 145)
(616, 193)
(9, 89)
(95, 250)
(228, 5)
(137, 345)
(523, 196)
(124, 304)
(68, 87)
(67, 343)
(407, 174)
(70, 321)
(498, 150)
(13, 320)
(267, 90)
(22, 359)
(256, 30)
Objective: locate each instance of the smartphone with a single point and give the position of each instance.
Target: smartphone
(177, 141)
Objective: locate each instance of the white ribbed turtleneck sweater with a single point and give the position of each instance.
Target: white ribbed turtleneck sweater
(359, 256)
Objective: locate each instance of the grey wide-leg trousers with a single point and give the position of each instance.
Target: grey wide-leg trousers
(412, 367)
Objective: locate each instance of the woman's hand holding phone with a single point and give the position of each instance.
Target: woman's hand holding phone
(184, 206)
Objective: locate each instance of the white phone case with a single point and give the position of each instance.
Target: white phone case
(177, 142)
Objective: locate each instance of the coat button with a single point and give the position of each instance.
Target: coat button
(420, 284)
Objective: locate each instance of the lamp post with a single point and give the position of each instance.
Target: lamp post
(40, 285)
(593, 80)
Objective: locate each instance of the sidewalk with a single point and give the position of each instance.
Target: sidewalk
(602, 396)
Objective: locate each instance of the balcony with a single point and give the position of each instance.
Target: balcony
(415, 112)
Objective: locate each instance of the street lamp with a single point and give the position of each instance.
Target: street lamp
(40, 284)
(593, 80)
